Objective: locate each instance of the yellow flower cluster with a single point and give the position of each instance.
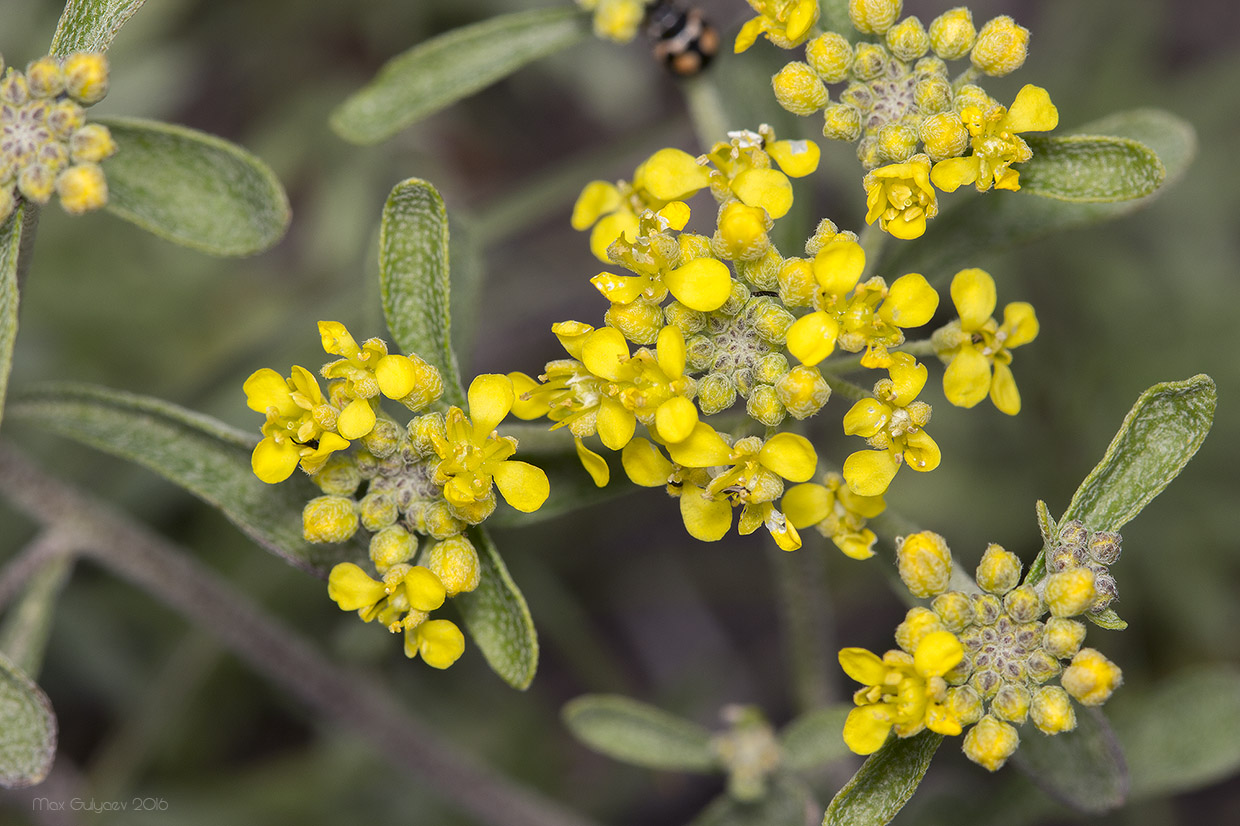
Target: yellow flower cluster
(985, 659)
(434, 477)
(46, 145)
(916, 126)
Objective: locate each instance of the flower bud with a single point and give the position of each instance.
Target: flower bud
(329, 519)
(831, 56)
(955, 610)
(925, 563)
(639, 321)
(803, 391)
(1052, 710)
(896, 142)
(1023, 604)
(1104, 547)
(952, 33)
(918, 623)
(764, 406)
(687, 320)
(965, 704)
(44, 77)
(869, 61)
(1070, 592)
(86, 77)
(455, 562)
(1062, 637)
(986, 609)
(990, 743)
(1041, 666)
(378, 511)
(873, 16)
(390, 546)
(933, 95)
(339, 475)
(716, 393)
(999, 570)
(841, 122)
(799, 90)
(1091, 678)
(1011, 703)
(944, 136)
(907, 40)
(1001, 47)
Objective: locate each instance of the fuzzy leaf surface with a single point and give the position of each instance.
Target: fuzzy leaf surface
(1091, 169)
(414, 279)
(206, 457)
(91, 25)
(884, 783)
(452, 66)
(498, 619)
(27, 729)
(635, 732)
(1083, 768)
(10, 247)
(193, 189)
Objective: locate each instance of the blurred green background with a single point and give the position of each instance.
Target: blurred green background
(149, 706)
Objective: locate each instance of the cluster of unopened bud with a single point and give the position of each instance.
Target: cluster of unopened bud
(46, 145)
(1078, 564)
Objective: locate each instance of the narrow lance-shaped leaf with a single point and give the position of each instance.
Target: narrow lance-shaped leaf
(1083, 768)
(28, 623)
(10, 247)
(91, 25)
(193, 189)
(441, 71)
(498, 619)
(27, 729)
(884, 783)
(202, 455)
(635, 732)
(414, 281)
(1091, 169)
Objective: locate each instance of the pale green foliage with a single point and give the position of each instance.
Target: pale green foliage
(1091, 169)
(1083, 768)
(884, 783)
(27, 729)
(90, 25)
(641, 734)
(10, 245)
(498, 619)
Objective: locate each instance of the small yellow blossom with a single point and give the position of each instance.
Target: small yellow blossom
(786, 23)
(977, 349)
(439, 642)
(300, 423)
(899, 196)
(996, 142)
(894, 425)
(836, 512)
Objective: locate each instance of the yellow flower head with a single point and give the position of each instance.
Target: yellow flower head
(996, 142)
(899, 196)
(300, 423)
(786, 23)
(836, 512)
(977, 349)
(742, 169)
(893, 423)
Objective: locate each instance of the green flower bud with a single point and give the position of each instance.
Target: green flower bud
(762, 273)
(686, 320)
(44, 77)
(869, 61)
(873, 16)
(392, 545)
(378, 510)
(639, 321)
(770, 321)
(770, 368)
(1023, 604)
(700, 352)
(797, 284)
(841, 122)
(933, 95)
(764, 406)
(944, 136)
(1062, 637)
(986, 683)
(1041, 666)
(955, 610)
(999, 570)
(986, 609)
(1011, 703)
(972, 95)
(868, 154)
(896, 143)
(1104, 547)
(716, 393)
(338, 476)
(803, 391)
(965, 704)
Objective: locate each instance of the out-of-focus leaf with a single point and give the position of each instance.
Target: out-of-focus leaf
(1090, 169)
(787, 803)
(193, 189)
(91, 25)
(498, 619)
(884, 783)
(1182, 735)
(413, 278)
(206, 457)
(977, 223)
(637, 733)
(27, 729)
(10, 247)
(815, 738)
(468, 271)
(23, 636)
(1083, 768)
(454, 65)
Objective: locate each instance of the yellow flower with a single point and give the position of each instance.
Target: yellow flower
(473, 456)
(299, 426)
(750, 473)
(893, 424)
(403, 598)
(977, 349)
(786, 23)
(616, 20)
(742, 168)
(899, 196)
(903, 692)
(439, 642)
(996, 142)
(836, 512)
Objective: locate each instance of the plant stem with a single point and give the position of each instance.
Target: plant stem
(845, 388)
(353, 702)
(706, 110)
(803, 611)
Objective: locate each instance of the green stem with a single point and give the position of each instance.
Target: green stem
(803, 610)
(351, 700)
(845, 388)
(706, 110)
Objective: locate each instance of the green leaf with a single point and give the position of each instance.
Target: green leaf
(1083, 768)
(193, 189)
(973, 223)
(414, 281)
(10, 248)
(884, 783)
(91, 25)
(454, 65)
(27, 729)
(206, 457)
(815, 738)
(637, 733)
(1046, 525)
(1182, 735)
(1107, 619)
(1158, 437)
(498, 619)
(1090, 169)
(24, 634)
(785, 804)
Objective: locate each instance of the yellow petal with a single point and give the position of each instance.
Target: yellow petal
(336, 339)
(910, 302)
(572, 335)
(838, 266)
(703, 448)
(790, 456)
(425, 590)
(673, 175)
(598, 198)
(785, 535)
(806, 505)
(702, 284)
(937, 653)
(973, 293)
(908, 377)
(329, 443)
(351, 588)
(356, 420)
(274, 461)
(748, 34)
(863, 666)
(266, 388)
(953, 173)
(705, 519)
(869, 472)
(1003, 390)
(622, 223)
(1021, 323)
(604, 351)
(1032, 111)
(526, 408)
(866, 728)
(675, 419)
(921, 452)
(676, 214)
(670, 351)
(966, 381)
(490, 398)
(909, 224)
(439, 642)
(803, 15)
(594, 464)
(615, 424)
(796, 158)
(522, 485)
(620, 289)
(811, 338)
(766, 188)
(866, 418)
(396, 376)
(645, 465)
